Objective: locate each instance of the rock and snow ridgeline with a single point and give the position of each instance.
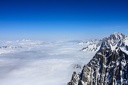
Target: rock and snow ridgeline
(91, 45)
(94, 45)
(109, 66)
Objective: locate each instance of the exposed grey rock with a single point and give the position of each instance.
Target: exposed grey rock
(109, 66)
(77, 66)
(75, 79)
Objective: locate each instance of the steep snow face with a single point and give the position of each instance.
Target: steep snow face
(114, 41)
(117, 36)
(109, 66)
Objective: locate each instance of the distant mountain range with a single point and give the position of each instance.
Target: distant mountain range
(109, 66)
(91, 45)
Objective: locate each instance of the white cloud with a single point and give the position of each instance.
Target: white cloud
(41, 64)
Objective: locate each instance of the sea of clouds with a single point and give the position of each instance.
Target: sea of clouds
(28, 62)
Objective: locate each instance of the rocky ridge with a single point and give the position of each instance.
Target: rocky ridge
(109, 66)
(91, 45)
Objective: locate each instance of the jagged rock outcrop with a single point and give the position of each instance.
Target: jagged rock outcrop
(109, 66)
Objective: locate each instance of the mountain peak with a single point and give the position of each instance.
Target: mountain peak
(114, 40)
(109, 66)
(116, 33)
(116, 36)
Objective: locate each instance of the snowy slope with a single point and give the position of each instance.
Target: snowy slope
(91, 45)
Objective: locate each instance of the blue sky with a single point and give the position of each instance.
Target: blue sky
(62, 19)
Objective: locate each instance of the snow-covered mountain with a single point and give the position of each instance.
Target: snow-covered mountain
(91, 45)
(94, 45)
(109, 66)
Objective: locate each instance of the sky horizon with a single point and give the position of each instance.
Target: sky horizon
(62, 19)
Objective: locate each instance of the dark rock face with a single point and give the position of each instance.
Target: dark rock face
(108, 67)
(75, 79)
